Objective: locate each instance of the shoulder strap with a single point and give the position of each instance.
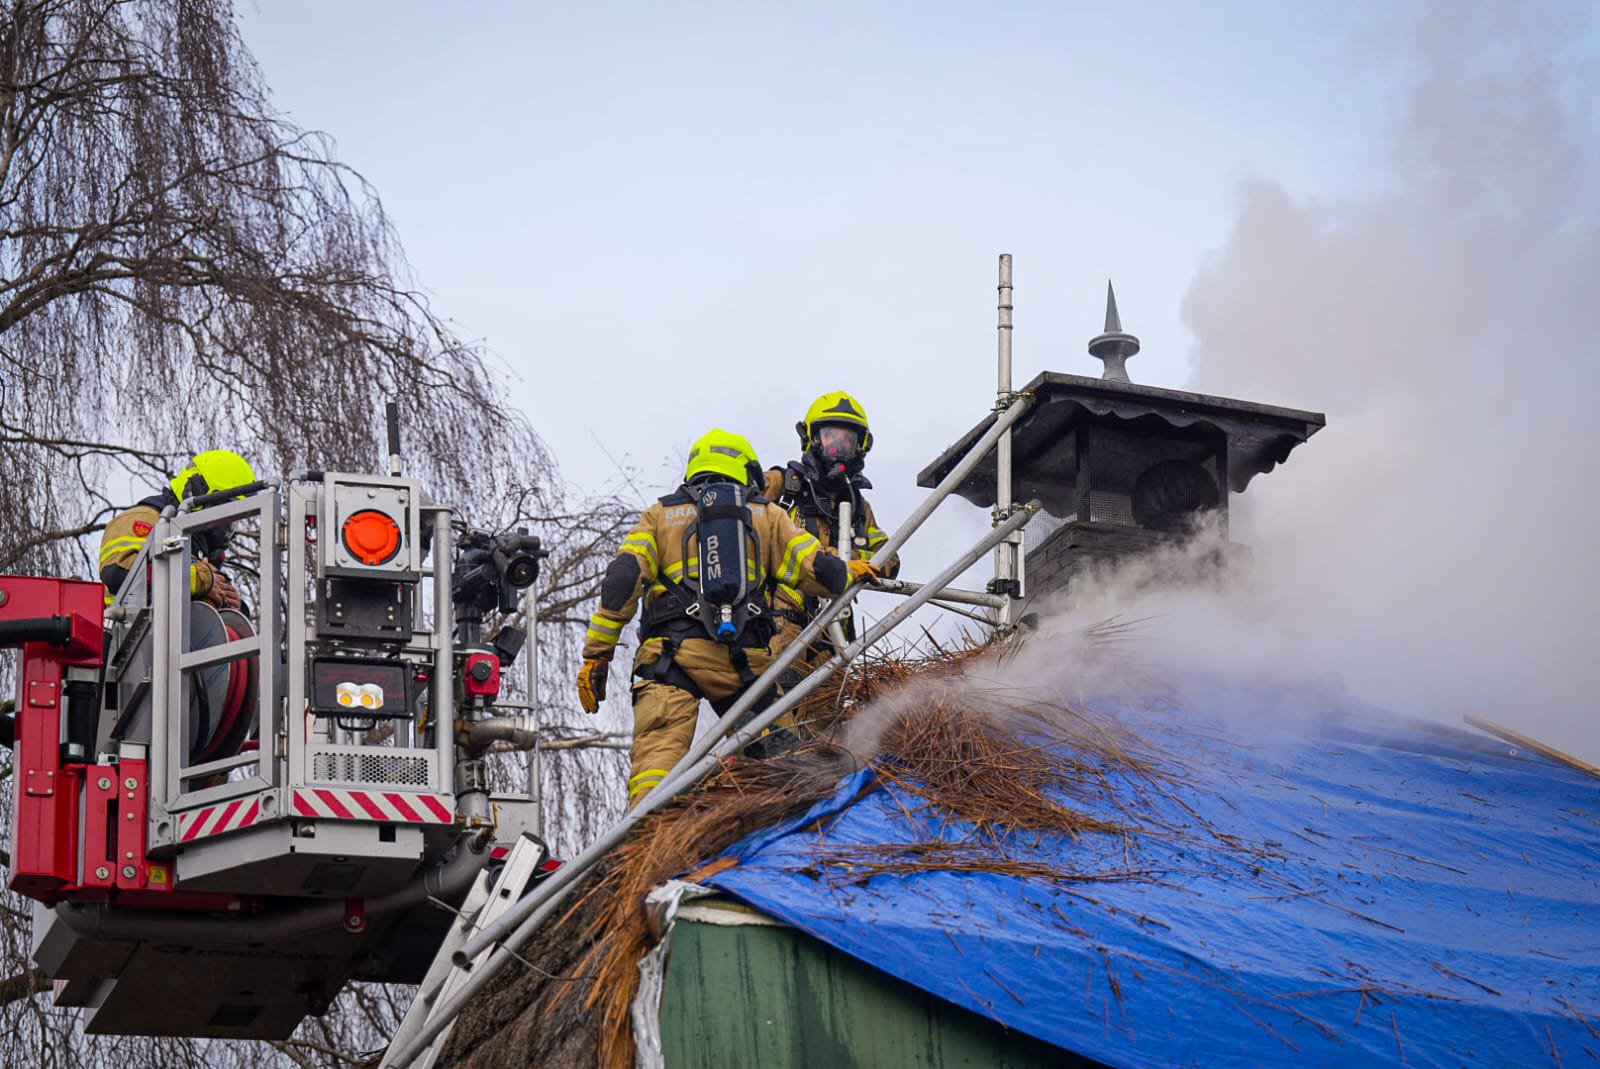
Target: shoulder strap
(791, 497)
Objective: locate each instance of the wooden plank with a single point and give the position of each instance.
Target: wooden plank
(1530, 744)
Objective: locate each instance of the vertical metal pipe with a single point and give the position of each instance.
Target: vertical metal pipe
(533, 645)
(844, 545)
(1005, 554)
(305, 501)
(533, 709)
(269, 595)
(442, 697)
(162, 656)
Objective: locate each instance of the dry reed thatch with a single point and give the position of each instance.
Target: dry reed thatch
(993, 760)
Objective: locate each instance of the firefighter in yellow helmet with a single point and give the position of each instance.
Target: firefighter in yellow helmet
(834, 439)
(125, 536)
(703, 560)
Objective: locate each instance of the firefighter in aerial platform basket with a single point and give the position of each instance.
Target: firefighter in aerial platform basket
(703, 559)
(125, 535)
(834, 439)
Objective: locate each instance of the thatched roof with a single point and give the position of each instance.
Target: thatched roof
(1226, 881)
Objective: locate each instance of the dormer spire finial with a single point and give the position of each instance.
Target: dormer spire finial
(1113, 346)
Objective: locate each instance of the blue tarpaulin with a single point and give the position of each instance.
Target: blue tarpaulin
(1296, 891)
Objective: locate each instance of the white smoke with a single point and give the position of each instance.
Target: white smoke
(1434, 546)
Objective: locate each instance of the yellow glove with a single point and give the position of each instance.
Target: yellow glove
(201, 578)
(592, 684)
(863, 571)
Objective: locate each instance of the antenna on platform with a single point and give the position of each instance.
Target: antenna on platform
(391, 414)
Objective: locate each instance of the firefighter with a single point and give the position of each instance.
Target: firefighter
(124, 537)
(834, 439)
(679, 662)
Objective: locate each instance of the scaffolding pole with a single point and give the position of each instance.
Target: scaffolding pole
(949, 593)
(1007, 553)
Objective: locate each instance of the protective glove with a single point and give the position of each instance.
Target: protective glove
(223, 594)
(592, 684)
(864, 571)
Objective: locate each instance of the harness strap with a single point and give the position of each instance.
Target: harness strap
(666, 671)
(741, 664)
(741, 661)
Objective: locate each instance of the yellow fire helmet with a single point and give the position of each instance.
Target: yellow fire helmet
(213, 470)
(724, 453)
(835, 407)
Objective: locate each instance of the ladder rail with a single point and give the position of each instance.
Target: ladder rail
(485, 903)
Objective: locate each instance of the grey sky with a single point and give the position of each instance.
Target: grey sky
(772, 202)
(662, 217)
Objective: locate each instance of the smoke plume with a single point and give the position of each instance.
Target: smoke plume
(1433, 547)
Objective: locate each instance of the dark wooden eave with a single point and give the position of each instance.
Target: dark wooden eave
(1258, 437)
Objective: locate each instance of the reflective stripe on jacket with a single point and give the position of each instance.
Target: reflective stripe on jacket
(124, 538)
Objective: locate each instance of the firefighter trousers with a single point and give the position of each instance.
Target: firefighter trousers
(818, 653)
(666, 710)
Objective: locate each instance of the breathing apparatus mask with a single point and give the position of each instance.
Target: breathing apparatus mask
(837, 448)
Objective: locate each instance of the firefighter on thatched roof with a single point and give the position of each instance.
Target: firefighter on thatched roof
(704, 560)
(834, 439)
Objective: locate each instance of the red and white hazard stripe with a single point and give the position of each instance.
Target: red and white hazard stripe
(216, 819)
(325, 803)
(336, 803)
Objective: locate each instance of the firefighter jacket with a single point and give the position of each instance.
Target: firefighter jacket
(127, 533)
(803, 510)
(656, 546)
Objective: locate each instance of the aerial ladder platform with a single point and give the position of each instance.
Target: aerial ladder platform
(223, 817)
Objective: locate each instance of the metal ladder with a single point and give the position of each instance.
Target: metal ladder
(488, 899)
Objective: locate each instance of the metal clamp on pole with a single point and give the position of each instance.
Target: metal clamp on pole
(1004, 399)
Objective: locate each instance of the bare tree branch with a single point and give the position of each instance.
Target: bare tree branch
(182, 268)
(23, 985)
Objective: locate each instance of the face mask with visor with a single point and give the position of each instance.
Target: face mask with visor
(838, 444)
